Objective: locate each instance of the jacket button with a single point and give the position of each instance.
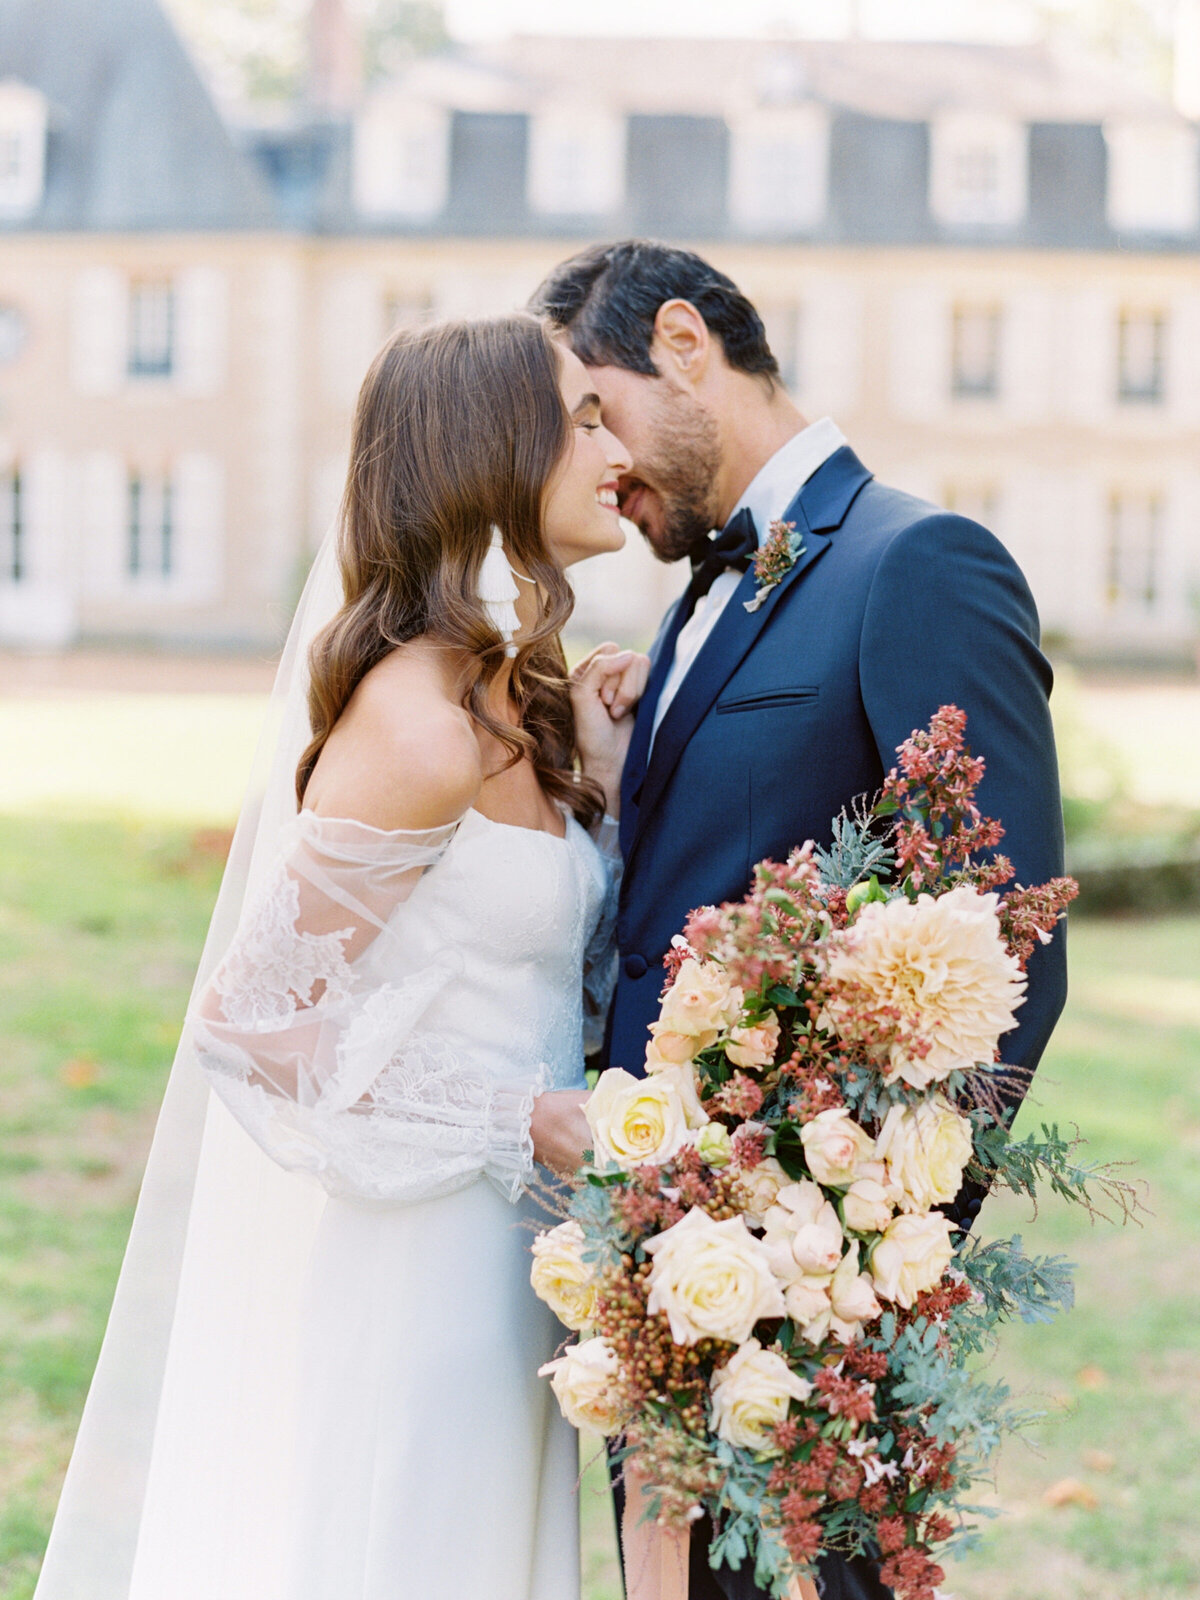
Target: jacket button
(636, 966)
(974, 1206)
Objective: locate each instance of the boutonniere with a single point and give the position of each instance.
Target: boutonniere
(777, 555)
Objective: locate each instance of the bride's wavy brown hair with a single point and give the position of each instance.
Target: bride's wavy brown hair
(458, 427)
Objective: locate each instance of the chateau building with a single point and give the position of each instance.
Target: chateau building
(983, 261)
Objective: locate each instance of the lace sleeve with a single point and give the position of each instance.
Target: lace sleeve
(309, 1030)
(600, 956)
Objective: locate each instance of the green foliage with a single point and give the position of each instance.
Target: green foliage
(1012, 1283)
(1023, 1165)
(859, 850)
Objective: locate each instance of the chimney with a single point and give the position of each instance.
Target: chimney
(335, 57)
(1187, 58)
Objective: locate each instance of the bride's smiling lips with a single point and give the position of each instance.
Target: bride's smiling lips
(633, 498)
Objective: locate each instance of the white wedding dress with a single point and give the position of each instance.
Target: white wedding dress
(387, 1012)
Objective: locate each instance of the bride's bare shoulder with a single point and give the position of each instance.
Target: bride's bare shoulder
(403, 753)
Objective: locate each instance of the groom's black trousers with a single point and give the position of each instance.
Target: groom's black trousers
(838, 1578)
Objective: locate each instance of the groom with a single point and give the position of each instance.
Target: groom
(758, 727)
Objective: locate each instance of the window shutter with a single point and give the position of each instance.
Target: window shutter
(101, 330)
(1090, 364)
(105, 509)
(199, 488)
(830, 348)
(920, 353)
(350, 333)
(202, 310)
(1027, 354)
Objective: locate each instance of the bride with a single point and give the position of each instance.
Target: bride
(328, 1390)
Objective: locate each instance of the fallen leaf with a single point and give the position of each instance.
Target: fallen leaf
(1091, 1377)
(1099, 1460)
(1070, 1492)
(79, 1072)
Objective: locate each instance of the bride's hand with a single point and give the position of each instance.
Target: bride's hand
(605, 687)
(560, 1131)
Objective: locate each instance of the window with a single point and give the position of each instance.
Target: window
(1153, 177)
(978, 171)
(784, 325)
(1132, 577)
(13, 557)
(150, 528)
(576, 162)
(975, 352)
(151, 330)
(1141, 357)
(779, 169)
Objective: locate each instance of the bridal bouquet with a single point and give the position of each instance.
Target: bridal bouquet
(773, 1309)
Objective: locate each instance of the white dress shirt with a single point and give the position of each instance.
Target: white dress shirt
(769, 494)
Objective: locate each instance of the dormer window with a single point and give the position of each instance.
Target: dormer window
(401, 158)
(779, 170)
(576, 162)
(979, 170)
(22, 150)
(1153, 177)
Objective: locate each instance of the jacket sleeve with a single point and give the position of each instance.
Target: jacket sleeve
(950, 619)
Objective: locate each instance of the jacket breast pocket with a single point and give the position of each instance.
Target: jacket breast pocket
(797, 694)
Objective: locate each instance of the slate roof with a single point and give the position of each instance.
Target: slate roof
(135, 141)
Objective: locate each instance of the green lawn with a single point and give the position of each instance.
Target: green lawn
(100, 923)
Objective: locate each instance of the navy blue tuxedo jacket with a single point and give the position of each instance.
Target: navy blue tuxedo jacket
(789, 712)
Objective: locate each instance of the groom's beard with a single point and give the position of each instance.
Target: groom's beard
(679, 477)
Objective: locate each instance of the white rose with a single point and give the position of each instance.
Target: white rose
(682, 1079)
(711, 1279)
(636, 1121)
(561, 1277)
(912, 1256)
(668, 1049)
(758, 1187)
(868, 1204)
(835, 1146)
(852, 1299)
(755, 1047)
(926, 1147)
(751, 1393)
(714, 1145)
(807, 1302)
(584, 1379)
(701, 1003)
(806, 1221)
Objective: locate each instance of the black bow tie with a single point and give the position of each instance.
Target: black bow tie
(734, 546)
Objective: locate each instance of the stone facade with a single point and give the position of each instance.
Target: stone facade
(984, 263)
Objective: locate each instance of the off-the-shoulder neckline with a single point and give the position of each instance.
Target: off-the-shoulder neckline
(306, 812)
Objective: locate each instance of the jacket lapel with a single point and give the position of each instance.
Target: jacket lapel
(817, 511)
(662, 654)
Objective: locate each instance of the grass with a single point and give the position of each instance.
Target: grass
(100, 924)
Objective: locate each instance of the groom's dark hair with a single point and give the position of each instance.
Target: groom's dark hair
(608, 296)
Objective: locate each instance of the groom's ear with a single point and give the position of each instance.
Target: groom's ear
(682, 346)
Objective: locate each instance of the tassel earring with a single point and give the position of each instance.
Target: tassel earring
(498, 591)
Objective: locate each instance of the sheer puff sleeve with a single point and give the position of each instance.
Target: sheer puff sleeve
(308, 1030)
